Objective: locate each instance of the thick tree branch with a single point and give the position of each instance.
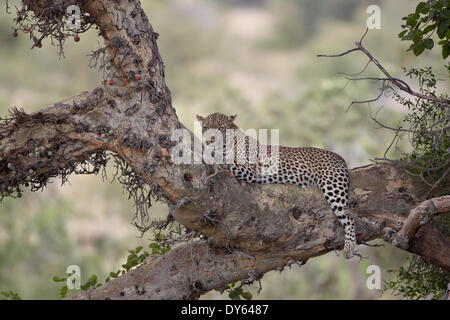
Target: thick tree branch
(422, 214)
(382, 195)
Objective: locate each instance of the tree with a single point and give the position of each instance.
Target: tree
(236, 232)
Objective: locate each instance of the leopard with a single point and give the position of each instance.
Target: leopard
(300, 166)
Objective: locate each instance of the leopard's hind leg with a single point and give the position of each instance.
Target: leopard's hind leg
(335, 191)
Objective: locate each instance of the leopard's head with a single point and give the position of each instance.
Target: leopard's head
(217, 121)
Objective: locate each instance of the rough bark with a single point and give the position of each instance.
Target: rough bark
(266, 226)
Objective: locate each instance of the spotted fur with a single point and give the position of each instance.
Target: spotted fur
(303, 167)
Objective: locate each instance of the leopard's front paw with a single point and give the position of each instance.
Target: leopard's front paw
(350, 250)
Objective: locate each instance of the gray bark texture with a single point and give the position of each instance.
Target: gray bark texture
(256, 228)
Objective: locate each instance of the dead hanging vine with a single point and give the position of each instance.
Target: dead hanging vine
(32, 162)
(22, 162)
(426, 124)
(138, 190)
(40, 21)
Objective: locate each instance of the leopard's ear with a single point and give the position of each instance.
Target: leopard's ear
(200, 118)
(231, 118)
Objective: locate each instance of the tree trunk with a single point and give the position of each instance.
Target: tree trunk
(247, 229)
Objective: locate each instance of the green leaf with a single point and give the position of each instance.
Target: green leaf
(445, 51)
(143, 256)
(445, 13)
(58, 279)
(234, 295)
(247, 295)
(443, 28)
(418, 48)
(417, 35)
(429, 28)
(92, 280)
(114, 274)
(63, 291)
(401, 34)
(428, 43)
(425, 10)
(411, 19)
(411, 47)
(154, 245)
(130, 259)
(165, 250)
(15, 296)
(10, 295)
(420, 7)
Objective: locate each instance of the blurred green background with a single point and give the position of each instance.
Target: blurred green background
(256, 58)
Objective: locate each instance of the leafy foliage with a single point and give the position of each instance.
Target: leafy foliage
(427, 123)
(91, 283)
(236, 292)
(135, 258)
(419, 280)
(9, 295)
(432, 16)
